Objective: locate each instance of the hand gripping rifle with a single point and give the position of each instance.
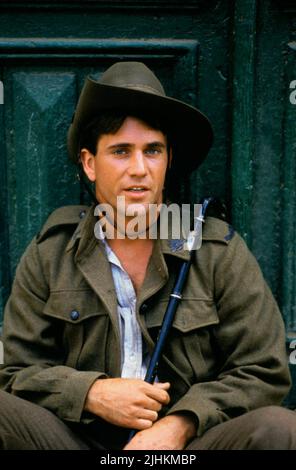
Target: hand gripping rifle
(175, 297)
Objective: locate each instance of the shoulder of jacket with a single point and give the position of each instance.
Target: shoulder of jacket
(61, 218)
(217, 230)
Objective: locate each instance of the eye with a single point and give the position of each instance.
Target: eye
(153, 151)
(120, 151)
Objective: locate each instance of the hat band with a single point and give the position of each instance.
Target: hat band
(140, 87)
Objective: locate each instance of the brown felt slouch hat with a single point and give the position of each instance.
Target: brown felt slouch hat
(132, 87)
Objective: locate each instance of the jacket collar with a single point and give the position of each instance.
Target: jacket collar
(91, 259)
(85, 238)
(213, 230)
(97, 270)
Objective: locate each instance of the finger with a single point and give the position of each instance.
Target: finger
(153, 405)
(141, 424)
(162, 385)
(148, 414)
(159, 395)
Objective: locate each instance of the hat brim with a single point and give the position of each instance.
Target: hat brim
(190, 130)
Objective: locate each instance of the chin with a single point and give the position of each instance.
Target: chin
(137, 209)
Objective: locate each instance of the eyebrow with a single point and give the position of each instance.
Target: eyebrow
(156, 144)
(128, 145)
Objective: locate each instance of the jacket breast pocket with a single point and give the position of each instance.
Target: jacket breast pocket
(190, 342)
(80, 319)
(194, 314)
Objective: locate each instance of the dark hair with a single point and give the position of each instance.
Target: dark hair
(110, 122)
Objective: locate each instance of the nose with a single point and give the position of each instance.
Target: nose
(137, 165)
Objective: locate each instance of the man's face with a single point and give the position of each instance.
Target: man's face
(131, 163)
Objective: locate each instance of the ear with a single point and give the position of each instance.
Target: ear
(88, 164)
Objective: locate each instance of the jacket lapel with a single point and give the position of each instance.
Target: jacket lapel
(92, 261)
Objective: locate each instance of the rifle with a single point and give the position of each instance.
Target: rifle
(175, 298)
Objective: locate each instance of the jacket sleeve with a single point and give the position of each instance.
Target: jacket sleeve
(253, 366)
(32, 348)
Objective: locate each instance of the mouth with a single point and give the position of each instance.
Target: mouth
(137, 190)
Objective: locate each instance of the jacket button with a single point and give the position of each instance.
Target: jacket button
(82, 214)
(74, 315)
(144, 308)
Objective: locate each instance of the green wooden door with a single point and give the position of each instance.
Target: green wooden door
(233, 59)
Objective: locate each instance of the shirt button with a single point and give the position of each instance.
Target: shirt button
(144, 308)
(74, 315)
(82, 214)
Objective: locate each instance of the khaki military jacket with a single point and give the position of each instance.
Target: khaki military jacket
(226, 351)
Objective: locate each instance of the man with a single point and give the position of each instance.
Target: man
(86, 307)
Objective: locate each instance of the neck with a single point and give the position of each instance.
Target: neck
(129, 233)
(134, 255)
(129, 244)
